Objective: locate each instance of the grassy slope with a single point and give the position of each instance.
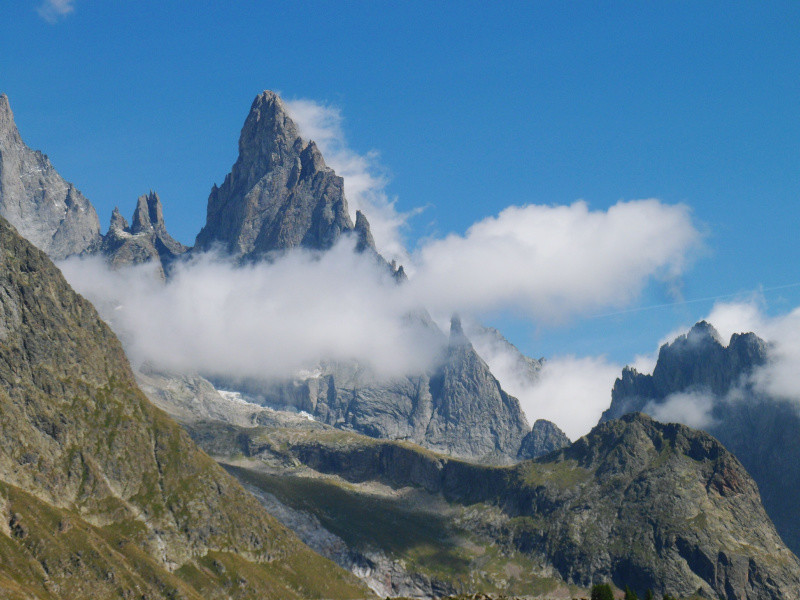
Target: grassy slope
(635, 502)
(81, 445)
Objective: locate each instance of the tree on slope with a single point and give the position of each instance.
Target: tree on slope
(602, 591)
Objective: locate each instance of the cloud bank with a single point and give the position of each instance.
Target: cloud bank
(277, 319)
(54, 10)
(262, 320)
(553, 262)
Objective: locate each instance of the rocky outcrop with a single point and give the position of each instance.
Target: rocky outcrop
(471, 414)
(458, 407)
(280, 194)
(47, 210)
(145, 241)
(636, 502)
(763, 432)
(545, 437)
(695, 361)
(105, 495)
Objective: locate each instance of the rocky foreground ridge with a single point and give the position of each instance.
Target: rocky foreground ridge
(458, 407)
(103, 495)
(763, 432)
(635, 502)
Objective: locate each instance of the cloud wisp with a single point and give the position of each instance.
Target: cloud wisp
(364, 179)
(54, 10)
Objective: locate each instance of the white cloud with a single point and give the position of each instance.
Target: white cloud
(737, 317)
(275, 319)
(364, 181)
(570, 391)
(53, 10)
(690, 408)
(258, 320)
(554, 262)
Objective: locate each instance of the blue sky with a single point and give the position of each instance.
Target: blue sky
(472, 107)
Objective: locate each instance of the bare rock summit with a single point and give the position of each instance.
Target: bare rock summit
(44, 207)
(280, 194)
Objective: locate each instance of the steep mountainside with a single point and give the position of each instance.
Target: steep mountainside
(763, 432)
(279, 194)
(641, 503)
(101, 494)
(45, 209)
(458, 407)
(543, 438)
(146, 240)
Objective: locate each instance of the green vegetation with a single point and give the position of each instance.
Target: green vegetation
(427, 539)
(602, 591)
(630, 594)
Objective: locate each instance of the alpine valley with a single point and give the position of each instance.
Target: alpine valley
(124, 479)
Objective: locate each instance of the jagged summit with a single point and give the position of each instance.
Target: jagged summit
(149, 214)
(6, 117)
(280, 194)
(144, 241)
(704, 332)
(42, 206)
(760, 430)
(457, 335)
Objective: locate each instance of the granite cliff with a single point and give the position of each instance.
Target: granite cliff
(457, 407)
(280, 194)
(763, 432)
(47, 210)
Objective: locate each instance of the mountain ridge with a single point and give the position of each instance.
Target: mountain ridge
(82, 439)
(42, 205)
(763, 432)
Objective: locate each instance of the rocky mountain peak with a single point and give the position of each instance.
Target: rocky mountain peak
(280, 194)
(269, 137)
(6, 116)
(457, 335)
(149, 214)
(543, 438)
(146, 240)
(47, 210)
(118, 222)
(362, 229)
(472, 414)
(704, 332)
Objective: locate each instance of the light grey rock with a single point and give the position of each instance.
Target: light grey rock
(458, 407)
(146, 240)
(47, 210)
(280, 194)
(544, 438)
(472, 415)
